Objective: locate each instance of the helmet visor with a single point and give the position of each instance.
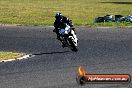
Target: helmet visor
(59, 18)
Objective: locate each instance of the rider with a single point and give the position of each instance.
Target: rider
(60, 22)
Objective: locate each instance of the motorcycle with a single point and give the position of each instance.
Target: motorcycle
(69, 38)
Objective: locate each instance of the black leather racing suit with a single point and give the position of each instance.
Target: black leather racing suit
(61, 24)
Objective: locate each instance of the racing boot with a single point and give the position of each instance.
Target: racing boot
(63, 45)
(58, 37)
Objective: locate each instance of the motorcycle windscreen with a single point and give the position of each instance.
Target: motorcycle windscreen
(62, 31)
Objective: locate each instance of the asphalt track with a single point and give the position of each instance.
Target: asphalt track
(101, 51)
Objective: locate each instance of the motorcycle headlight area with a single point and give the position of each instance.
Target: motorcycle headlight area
(64, 31)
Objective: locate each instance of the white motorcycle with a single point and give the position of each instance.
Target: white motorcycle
(69, 38)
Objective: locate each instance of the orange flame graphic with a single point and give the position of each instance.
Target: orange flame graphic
(81, 71)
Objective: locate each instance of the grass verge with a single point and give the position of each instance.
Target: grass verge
(82, 12)
(9, 55)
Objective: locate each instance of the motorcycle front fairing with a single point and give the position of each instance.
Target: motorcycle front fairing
(68, 37)
(74, 38)
(63, 31)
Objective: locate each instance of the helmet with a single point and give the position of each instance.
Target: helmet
(59, 16)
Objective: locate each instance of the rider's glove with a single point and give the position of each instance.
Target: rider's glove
(54, 30)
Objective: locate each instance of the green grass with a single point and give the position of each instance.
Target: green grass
(41, 12)
(9, 55)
